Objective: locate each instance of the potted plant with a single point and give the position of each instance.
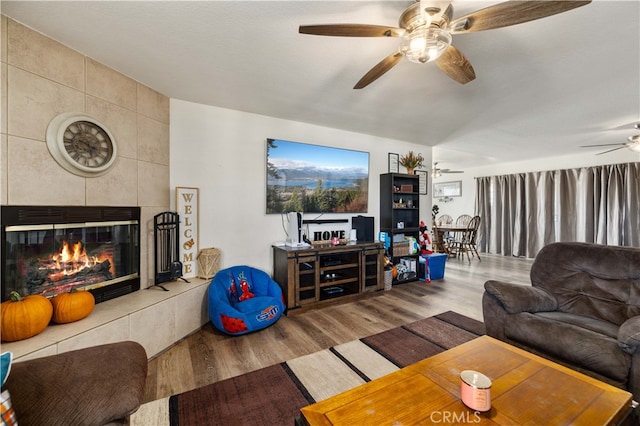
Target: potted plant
(412, 161)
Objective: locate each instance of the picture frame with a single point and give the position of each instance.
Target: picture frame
(423, 179)
(187, 199)
(394, 162)
(447, 189)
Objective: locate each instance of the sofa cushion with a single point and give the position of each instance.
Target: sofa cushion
(593, 324)
(629, 335)
(90, 386)
(519, 298)
(559, 336)
(592, 280)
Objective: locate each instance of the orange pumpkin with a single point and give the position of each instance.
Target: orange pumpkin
(72, 306)
(24, 317)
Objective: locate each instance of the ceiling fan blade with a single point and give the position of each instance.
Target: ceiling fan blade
(351, 30)
(378, 70)
(510, 13)
(450, 171)
(454, 64)
(614, 149)
(601, 144)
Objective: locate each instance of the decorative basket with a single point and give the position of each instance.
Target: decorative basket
(208, 262)
(401, 249)
(388, 279)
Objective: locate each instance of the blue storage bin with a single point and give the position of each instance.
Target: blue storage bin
(436, 263)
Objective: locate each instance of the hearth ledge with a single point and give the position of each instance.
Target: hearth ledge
(152, 317)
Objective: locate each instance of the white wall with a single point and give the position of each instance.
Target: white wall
(223, 153)
(466, 203)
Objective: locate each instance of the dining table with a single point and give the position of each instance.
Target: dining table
(440, 239)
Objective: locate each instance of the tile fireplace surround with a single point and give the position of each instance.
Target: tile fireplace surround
(152, 317)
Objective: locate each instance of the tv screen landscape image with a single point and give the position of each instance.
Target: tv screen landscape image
(316, 179)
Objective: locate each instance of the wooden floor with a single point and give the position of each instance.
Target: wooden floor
(209, 356)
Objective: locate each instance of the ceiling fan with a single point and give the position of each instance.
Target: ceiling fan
(633, 143)
(426, 28)
(438, 172)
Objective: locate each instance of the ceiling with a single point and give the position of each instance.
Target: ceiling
(543, 88)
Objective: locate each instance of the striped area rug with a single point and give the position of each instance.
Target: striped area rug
(274, 395)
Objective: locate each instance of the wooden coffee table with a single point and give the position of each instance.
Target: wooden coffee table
(527, 389)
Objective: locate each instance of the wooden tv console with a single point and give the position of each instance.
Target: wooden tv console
(319, 275)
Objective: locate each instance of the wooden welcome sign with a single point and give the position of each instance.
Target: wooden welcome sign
(187, 208)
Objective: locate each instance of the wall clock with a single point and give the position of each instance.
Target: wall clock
(81, 144)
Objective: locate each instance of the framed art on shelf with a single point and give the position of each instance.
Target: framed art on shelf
(394, 160)
(423, 178)
(187, 209)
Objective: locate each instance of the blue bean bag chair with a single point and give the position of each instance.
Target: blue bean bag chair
(243, 299)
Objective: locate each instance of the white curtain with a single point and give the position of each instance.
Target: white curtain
(521, 213)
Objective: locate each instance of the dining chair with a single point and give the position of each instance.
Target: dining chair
(467, 242)
(445, 219)
(439, 242)
(463, 220)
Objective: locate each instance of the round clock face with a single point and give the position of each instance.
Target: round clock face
(81, 144)
(88, 144)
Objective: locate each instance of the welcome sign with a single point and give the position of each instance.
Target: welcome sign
(187, 208)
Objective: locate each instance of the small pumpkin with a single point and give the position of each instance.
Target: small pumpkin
(72, 306)
(24, 317)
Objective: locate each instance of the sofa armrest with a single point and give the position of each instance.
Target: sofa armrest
(517, 298)
(92, 386)
(629, 335)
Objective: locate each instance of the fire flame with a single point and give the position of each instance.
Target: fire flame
(73, 258)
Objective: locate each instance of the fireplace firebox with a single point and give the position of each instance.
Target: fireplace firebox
(52, 249)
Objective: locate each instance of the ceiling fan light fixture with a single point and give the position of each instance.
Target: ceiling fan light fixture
(425, 44)
(634, 143)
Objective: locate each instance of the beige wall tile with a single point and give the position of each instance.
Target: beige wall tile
(153, 104)
(116, 188)
(146, 331)
(3, 97)
(3, 169)
(30, 175)
(32, 51)
(111, 332)
(153, 184)
(190, 320)
(108, 84)
(121, 122)
(3, 38)
(153, 141)
(146, 244)
(35, 178)
(34, 101)
(48, 350)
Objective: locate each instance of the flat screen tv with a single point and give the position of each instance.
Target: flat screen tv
(316, 179)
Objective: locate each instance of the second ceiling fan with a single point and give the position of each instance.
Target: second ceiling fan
(633, 143)
(426, 28)
(437, 172)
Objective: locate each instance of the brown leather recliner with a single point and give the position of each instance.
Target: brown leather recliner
(92, 386)
(581, 310)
